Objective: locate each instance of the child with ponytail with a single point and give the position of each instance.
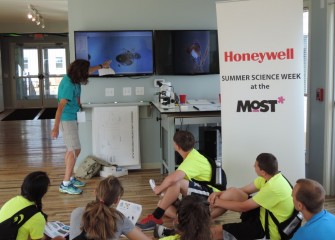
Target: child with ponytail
(100, 220)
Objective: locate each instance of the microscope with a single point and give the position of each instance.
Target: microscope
(167, 97)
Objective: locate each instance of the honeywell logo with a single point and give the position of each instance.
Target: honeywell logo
(258, 56)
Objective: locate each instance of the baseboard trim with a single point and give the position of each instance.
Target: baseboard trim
(152, 165)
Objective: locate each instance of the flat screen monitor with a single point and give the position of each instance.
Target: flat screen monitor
(186, 52)
(131, 52)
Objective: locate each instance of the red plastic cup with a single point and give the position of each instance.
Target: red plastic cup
(182, 98)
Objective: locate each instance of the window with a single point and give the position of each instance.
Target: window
(25, 63)
(305, 32)
(59, 62)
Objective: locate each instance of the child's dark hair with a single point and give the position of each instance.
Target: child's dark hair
(99, 219)
(268, 163)
(194, 218)
(184, 139)
(78, 71)
(34, 187)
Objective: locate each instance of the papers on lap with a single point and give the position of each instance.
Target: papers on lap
(54, 229)
(132, 211)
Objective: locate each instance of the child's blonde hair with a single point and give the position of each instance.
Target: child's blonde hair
(99, 218)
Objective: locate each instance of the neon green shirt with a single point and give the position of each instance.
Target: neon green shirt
(276, 196)
(33, 228)
(174, 237)
(196, 166)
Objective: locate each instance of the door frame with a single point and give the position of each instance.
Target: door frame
(42, 102)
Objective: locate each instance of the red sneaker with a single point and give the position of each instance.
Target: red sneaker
(149, 223)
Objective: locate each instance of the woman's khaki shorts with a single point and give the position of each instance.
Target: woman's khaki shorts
(70, 134)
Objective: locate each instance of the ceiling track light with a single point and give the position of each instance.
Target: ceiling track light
(35, 16)
(30, 12)
(38, 21)
(42, 23)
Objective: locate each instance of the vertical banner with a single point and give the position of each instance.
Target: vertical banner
(261, 73)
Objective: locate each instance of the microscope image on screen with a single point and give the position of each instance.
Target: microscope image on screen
(186, 52)
(191, 52)
(197, 59)
(131, 52)
(127, 57)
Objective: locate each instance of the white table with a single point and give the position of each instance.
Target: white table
(184, 114)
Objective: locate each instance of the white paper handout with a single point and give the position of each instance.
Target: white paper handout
(54, 229)
(130, 210)
(208, 107)
(198, 101)
(81, 116)
(106, 71)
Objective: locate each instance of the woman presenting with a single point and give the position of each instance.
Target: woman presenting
(66, 118)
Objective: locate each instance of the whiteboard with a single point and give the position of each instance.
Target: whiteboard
(115, 132)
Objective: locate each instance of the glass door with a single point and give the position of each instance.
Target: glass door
(39, 69)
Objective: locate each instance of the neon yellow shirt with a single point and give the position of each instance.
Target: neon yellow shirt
(276, 196)
(196, 166)
(33, 228)
(174, 237)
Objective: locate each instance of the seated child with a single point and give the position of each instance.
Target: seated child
(193, 221)
(100, 220)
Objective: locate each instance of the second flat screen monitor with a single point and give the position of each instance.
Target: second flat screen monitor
(186, 52)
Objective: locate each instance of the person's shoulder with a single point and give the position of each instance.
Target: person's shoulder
(330, 215)
(77, 211)
(174, 237)
(19, 202)
(279, 179)
(194, 153)
(14, 199)
(66, 79)
(8, 207)
(259, 181)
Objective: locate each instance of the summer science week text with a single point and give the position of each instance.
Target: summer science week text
(274, 76)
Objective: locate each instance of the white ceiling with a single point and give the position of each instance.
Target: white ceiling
(15, 12)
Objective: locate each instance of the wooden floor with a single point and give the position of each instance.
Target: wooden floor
(26, 146)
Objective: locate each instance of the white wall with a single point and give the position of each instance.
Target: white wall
(181, 14)
(142, 15)
(193, 14)
(145, 15)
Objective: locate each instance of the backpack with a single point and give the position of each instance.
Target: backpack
(288, 227)
(88, 168)
(223, 184)
(10, 227)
